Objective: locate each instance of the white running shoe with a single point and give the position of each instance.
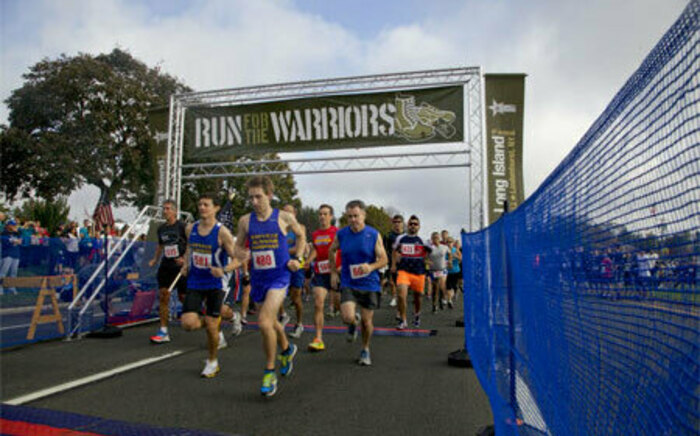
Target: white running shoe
(210, 369)
(392, 303)
(298, 330)
(284, 319)
(237, 325)
(222, 341)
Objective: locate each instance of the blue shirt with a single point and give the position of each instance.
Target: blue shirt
(269, 251)
(10, 248)
(455, 267)
(358, 248)
(205, 252)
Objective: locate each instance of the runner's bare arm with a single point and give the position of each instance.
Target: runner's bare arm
(379, 252)
(291, 224)
(241, 237)
(185, 264)
(156, 257)
(226, 241)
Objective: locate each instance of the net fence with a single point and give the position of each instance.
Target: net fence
(582, 306)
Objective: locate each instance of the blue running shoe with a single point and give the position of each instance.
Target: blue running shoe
(269, 384)
(287, 360)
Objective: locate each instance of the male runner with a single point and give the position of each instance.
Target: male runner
(266, 230)
(453, 271)
(363, 256)
(297, 281)
(172, 244)
(389, 240)
(206, 271)
(321, 241)
(437, 261)
(409, 259)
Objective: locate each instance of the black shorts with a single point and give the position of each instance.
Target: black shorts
(452, 279)
(212, 299)
(366, 299)
(322, 281)
(391, 275)
(166, 275)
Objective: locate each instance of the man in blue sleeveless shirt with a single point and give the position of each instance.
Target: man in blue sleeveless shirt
(205, 268)
(363, 256)
(266, 231)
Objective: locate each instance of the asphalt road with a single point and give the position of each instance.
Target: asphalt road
(409, 389)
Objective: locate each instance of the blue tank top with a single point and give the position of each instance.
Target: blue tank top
(205, 252)
(269, 250)
(358, 248)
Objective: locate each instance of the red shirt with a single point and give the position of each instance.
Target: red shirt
(322, 240)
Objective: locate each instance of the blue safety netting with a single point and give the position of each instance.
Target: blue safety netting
(582, 307)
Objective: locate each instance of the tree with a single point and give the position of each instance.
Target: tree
(308, 216)
(50, 213)
(376, 217)
(83, 120)
(285, 191)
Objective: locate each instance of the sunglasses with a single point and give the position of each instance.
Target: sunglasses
(413, 224)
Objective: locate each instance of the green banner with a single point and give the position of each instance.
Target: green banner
(158, 123)
(404, 117)
(504, 97)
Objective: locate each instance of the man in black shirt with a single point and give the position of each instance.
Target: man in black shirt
(389, 240)
(172, 243)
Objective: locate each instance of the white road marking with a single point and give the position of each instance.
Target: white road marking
(86, 380)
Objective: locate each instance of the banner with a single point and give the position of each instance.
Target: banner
(504, 97)
(404, 117)
(158, 122)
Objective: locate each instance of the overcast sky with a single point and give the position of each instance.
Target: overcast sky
(576, 54)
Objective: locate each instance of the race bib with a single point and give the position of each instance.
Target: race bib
(324, 267)
(264, 259)
(171, 251)
(408, 249)
(356, 271)
(438, 274)
(201, 260)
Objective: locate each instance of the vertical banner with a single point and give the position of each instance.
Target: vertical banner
(504, 97)
(158, 122)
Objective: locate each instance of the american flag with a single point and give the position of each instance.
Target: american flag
(225, 216)
(103, 213)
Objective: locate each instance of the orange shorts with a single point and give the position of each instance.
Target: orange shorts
(415, 282)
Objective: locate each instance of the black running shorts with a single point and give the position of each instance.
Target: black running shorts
(212, 299)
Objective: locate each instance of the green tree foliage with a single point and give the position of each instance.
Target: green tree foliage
(377, 217)
(308, 216)
(50, 213)
(83, 120)
(285, 191)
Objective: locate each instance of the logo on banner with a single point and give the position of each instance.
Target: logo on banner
(421, 122)
(502, 108)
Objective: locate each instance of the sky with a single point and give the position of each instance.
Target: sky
(576, 55)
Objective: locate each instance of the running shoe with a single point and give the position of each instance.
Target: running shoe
(450, 304)
(317, 345)
(434, 309)
(442, 304)
(237, 324)
(392, 303)
(416, 321)
(210, 369)
(244, 320)
(298, 330)
(160, 338)
(222, 341)
(269, 384)
(364, 359)
(402, 325)
(352, 329)
(287, 360)
(331, 313)
(284, 319)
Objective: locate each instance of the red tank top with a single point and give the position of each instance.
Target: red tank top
(322, 240)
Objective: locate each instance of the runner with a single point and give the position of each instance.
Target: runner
(409, 260)
(321, 241)
(397, 229)
(437, 261)
(266, 229)
(363, 256)
(206, 271)
(297, 281)
(172, 244)
(453, 272)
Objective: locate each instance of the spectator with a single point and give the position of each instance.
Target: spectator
(11, 242)
(3, 217)
(70, 239)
